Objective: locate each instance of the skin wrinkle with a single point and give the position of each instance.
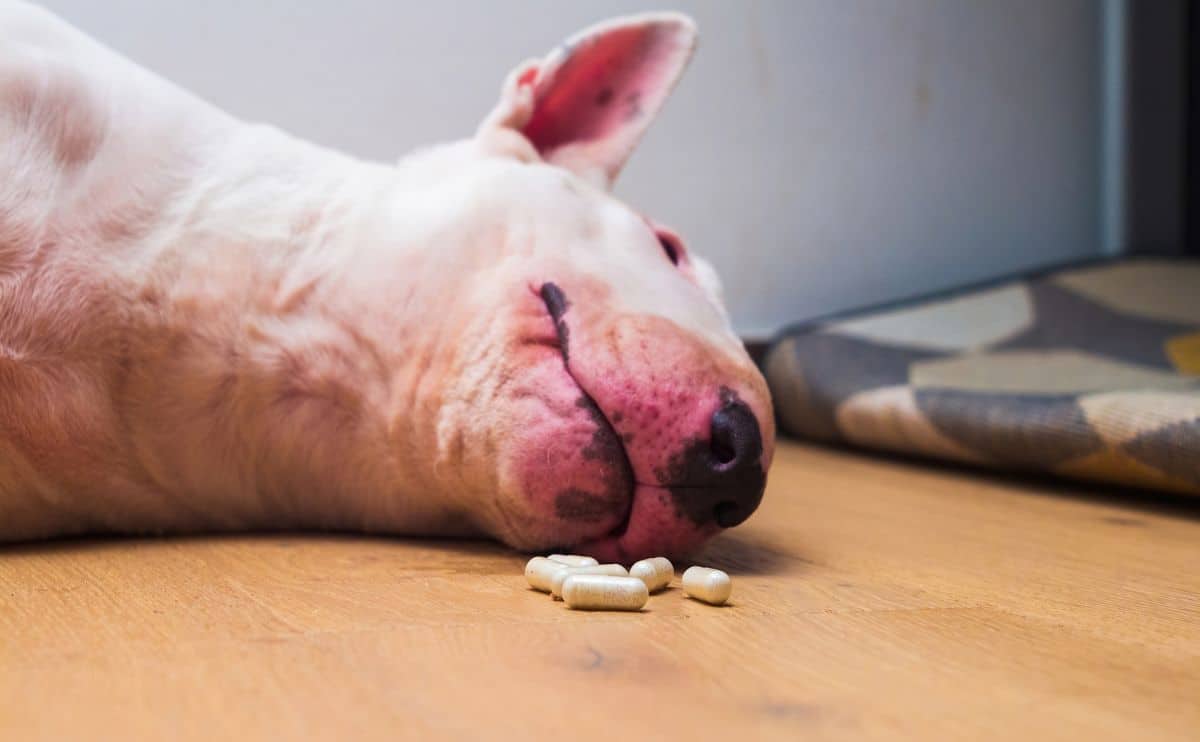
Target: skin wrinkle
(573, 504)
(450, 461)
(406, 391)
(422, 374)
(515, 381)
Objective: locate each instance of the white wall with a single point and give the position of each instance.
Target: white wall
(824, 154)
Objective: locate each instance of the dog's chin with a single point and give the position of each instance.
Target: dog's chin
(652, 528)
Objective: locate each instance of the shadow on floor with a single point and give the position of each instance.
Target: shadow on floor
(282, 539)
(1035, 483)
(745, 552)
(741, 552)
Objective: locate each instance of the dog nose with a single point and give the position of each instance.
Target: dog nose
(736, 463)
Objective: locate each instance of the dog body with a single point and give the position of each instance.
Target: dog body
(211, 325)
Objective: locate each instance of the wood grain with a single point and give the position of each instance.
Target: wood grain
(872, 600)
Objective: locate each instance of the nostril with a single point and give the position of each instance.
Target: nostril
(735, 438)
(728, 514)
(723, 451)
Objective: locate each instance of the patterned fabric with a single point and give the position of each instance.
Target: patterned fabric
(1090, 373)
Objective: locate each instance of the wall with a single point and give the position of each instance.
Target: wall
(823, 154)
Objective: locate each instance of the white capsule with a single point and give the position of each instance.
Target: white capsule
(557, 579)
(709, 585)
(604, 593)
(573, 560)
(657, 573)
(539, 571)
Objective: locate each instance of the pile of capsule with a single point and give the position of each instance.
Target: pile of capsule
(584, 584)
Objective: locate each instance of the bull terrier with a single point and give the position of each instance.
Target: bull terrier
(211, 325)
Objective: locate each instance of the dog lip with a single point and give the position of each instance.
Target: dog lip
(556, 306)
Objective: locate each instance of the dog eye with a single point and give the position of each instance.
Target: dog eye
(670, 249)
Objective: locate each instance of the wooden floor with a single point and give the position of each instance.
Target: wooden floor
(872, 600)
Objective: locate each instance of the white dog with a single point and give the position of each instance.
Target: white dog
(206, 324)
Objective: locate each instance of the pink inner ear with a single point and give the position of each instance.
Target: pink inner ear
(528, 76)
(605, 84)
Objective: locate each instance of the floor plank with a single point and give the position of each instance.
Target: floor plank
(872, 600)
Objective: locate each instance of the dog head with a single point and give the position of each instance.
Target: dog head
(596, 396)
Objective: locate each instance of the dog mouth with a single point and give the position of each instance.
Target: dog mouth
(607, 439)
(674, 489)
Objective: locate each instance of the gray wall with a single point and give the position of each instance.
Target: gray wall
(823, 154)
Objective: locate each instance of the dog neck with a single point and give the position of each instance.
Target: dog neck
(223, 352)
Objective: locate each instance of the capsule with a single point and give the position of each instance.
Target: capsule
(657, 572)
(573, 560)
(604, 593)
(557, 579)
(711, 586)
(539, 571)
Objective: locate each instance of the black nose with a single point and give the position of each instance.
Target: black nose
(720, 478)
(736, 462)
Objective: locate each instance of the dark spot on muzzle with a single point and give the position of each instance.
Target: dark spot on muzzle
(719, 478)
(580, 506)
(604, 450)
(557, 305)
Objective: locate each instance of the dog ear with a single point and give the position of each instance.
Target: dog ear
(588, 103)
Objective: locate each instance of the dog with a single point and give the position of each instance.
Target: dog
(210, 325)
